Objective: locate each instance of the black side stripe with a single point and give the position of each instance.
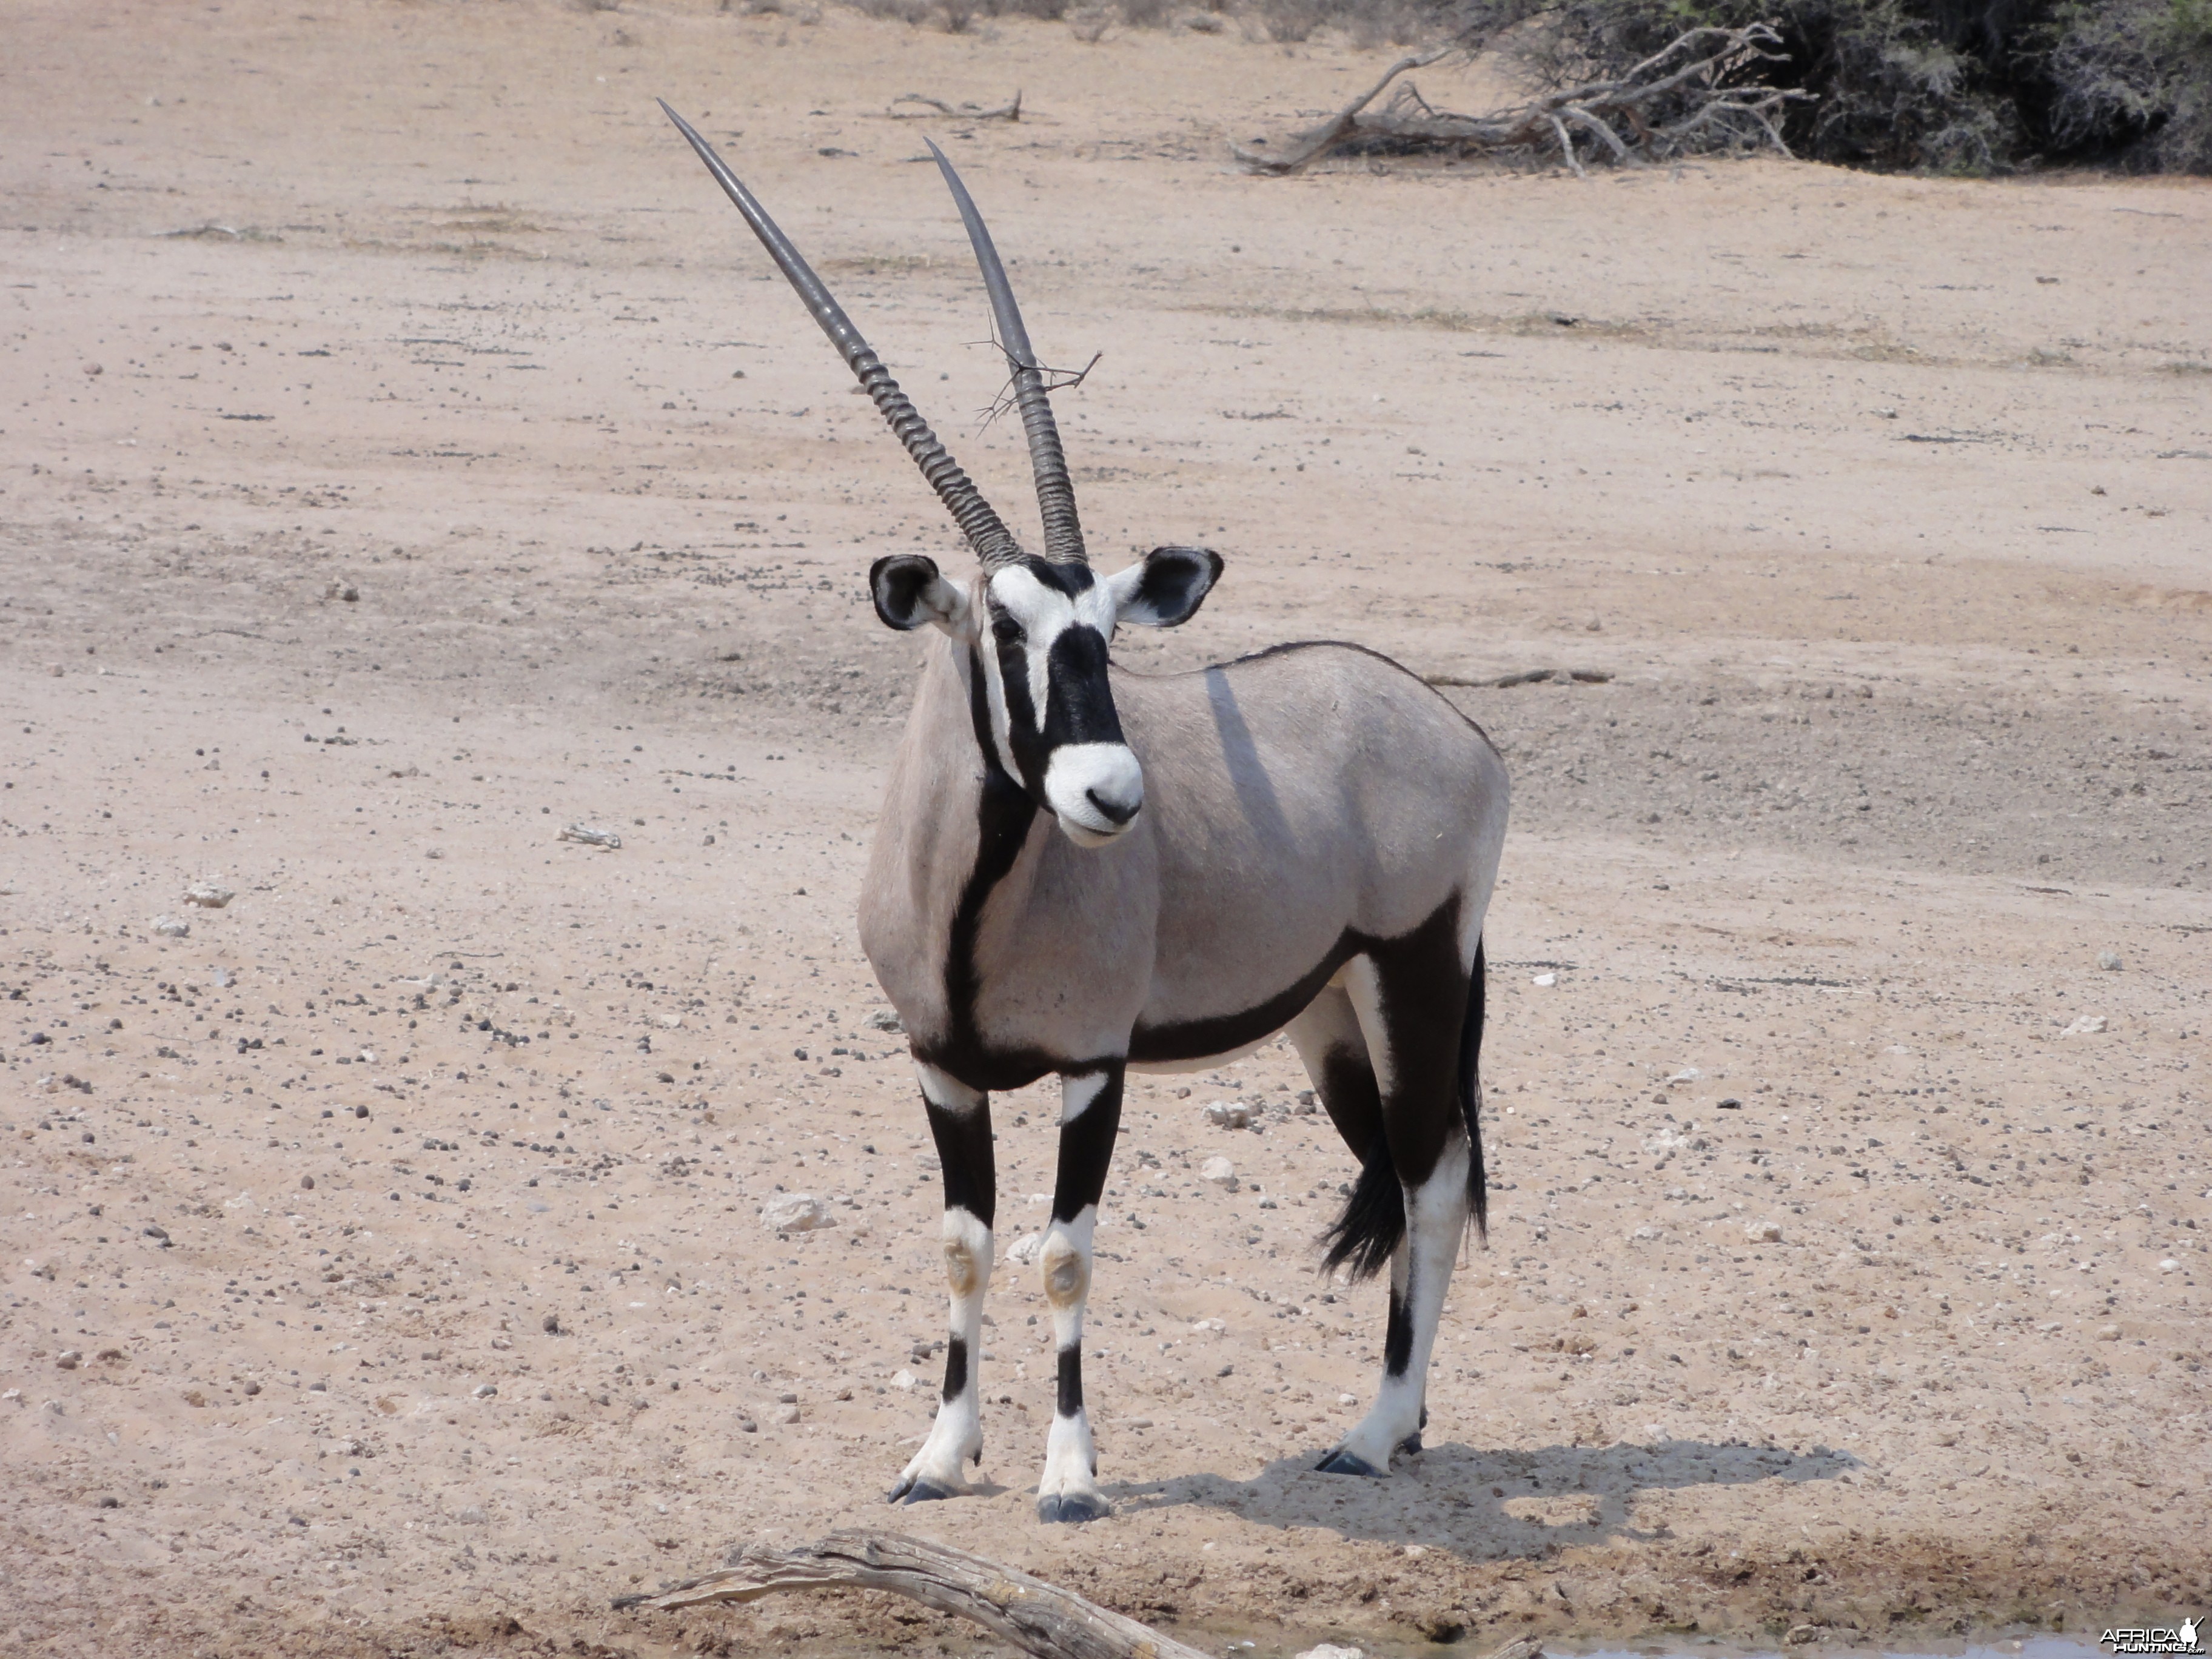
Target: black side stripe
(1004, 812)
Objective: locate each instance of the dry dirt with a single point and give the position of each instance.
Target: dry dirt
(391, 378)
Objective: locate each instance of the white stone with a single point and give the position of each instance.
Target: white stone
(904, 1378)
(2109, 960)
(208, 895)
(1229, 1114)
(1220, 1172)
(795, 1213)
(172, 928)
(2087, 1025)
(1545, 980)
(1024, 1249)
(1687, 1074)
(484, 1390)
(1763, 1232)
(1331, 1650)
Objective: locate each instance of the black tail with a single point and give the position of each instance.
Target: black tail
(1470, 1097)
(1374, 1219)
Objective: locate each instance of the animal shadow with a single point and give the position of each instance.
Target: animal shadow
(1487, 1504)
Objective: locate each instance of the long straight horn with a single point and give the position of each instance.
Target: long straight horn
(1063, 531)
(993, 543)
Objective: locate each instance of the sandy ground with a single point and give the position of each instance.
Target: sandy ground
(383, 1271)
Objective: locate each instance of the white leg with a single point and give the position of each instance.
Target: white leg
(960, 1118)
(1420, 1274)
(1090, 1111)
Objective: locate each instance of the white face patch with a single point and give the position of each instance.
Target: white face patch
(1045, 613)
(1094, 789)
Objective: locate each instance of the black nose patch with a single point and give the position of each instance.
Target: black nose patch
(1081, 709)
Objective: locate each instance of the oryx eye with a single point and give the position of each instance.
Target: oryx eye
(1006, 631)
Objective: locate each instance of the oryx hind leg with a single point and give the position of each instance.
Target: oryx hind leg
(1090, 1117)
(960, 1121)
(1412, 999)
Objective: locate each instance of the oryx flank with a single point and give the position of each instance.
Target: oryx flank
(1080, 870)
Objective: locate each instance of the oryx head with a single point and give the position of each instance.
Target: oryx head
(1036, 629)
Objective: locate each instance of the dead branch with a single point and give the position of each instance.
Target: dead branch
(958, 112)
(1033, 1615)
(1526, 676)
(1332, 131)
(1693, 95)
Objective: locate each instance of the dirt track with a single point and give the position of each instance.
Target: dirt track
(407, 453)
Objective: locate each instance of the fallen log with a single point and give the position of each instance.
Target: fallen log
(958, 111)
(1034, 1616)
(1526, 676)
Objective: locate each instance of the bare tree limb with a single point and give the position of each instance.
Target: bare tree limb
(958, 112)
(1332, 131)
(1033, 1615)
(1697, 93)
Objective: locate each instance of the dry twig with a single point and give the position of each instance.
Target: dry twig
(1526, 676)
(1692, 95)
(958, 112)
(1033, 1615)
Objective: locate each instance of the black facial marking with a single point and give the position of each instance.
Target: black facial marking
(1078, 700)
(1081, 709)
(956, 1368)
(1070, 1400)
(964, 1148)
(1397, 1337)
(1086, 1149)
(1068, 579)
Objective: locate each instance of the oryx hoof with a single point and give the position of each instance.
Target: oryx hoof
(1072, 1506)
(917, 1492)
(1344, 1462)
(1411, 1444)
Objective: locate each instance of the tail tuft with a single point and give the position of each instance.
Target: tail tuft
(1373, 1221)
(1470, 1096)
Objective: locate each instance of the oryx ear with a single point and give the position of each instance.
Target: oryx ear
(911, 591)
(1166, 587)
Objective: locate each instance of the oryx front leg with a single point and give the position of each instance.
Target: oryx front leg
(1091, 1114)
(960, 1119)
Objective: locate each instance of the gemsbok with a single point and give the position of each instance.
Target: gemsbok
(1080, 871)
